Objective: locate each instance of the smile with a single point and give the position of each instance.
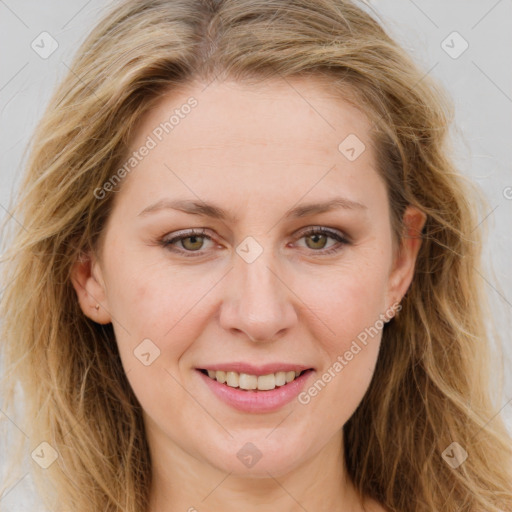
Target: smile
(250, 393)
(250, 382)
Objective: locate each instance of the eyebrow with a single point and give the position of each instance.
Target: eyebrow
(210, 210)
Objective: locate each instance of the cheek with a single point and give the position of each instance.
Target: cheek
(346, 300)
(158, 316)
(346, 309)
(159, 302)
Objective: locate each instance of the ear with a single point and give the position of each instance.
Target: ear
(88, 283)
(402, 272)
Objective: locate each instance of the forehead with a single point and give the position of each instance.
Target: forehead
(293, 113)
(277, 138)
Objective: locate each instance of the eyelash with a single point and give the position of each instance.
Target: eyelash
(167, 243)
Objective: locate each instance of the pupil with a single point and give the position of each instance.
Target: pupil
(194, 241)
(318, 237)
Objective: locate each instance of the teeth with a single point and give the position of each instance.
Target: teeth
(266, 382)
(281, 378)
(246, 381)
(252, 382)
(232, 379)
(219, 376)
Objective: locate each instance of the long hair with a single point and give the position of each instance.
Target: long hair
(432, 382)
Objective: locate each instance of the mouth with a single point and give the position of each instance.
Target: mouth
(250, 382)
(255, 389)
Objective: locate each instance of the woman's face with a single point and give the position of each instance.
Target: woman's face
(254, 170)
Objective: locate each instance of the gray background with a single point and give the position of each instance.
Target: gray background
(479, 81)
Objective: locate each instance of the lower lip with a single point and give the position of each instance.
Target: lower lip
(254, 400)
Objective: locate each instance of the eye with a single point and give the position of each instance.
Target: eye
(191, 241)
(318, 237)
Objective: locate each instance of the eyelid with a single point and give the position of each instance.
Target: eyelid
(168, 241)
(184, 233)
(332, 233)
(323, 229)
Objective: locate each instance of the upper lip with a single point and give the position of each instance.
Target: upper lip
(241, 367)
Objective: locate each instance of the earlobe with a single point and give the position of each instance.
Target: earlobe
(405, 260)
(87, 281)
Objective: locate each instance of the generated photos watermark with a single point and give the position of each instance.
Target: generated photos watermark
(343, 360)
(151, 142)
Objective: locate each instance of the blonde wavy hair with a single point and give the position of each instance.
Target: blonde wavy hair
(432, 383)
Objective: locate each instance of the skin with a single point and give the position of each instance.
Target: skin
(256, 151)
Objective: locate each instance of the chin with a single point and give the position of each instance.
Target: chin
(259, 458)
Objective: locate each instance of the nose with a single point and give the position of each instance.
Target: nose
(258, 303)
